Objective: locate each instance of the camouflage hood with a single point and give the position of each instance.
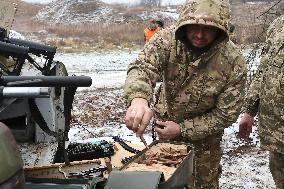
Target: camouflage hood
(207, 12)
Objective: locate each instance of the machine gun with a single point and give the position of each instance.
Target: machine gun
(46, 103)
(13, 88)
(22, 51)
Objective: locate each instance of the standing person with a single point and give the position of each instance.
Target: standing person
(266, 96)
(150, 30)
(203, 78)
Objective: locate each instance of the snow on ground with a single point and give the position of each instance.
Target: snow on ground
(164, 2)
(98, 113)
(106, 69)
(39, 1)
(16, 35)
(244, 164)
(126, 2)
(70, 12)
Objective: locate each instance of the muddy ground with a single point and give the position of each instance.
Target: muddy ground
(244, 164)
(98, 113)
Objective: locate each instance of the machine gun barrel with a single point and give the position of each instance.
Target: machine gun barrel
(34, 48)
(25, 92)
(10, 49)
(46, 81)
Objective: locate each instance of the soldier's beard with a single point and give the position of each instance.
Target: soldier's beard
(199, 50)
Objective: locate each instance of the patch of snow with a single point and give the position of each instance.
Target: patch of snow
(126, 2)
(75, 11)
(38, 154)
(108, 131)
(170, 12)
(244, 164)
(252, 57)
(39, 1)
(106, 69)
(135, 2)
(17, 35)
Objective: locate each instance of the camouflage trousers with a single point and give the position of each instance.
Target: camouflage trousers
(16, 182)
(207, 157)
(276, 165)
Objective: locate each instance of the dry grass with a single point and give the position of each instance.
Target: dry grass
(71, 37)
(26, 9)
(86, 7)
(91, 37)
(249, 28)
(114, 33)
(23, 20)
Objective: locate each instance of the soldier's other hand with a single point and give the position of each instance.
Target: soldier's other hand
(245, 126)
(167, 130)
(138, 116)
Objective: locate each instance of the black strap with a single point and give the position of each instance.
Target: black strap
(37, 117)
(69, 93)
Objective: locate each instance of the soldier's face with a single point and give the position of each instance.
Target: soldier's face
(201, 35)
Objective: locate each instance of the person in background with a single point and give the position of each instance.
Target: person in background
(160, 23)
(265, 96)
(232, 27)
(150, 30)
(203, 79)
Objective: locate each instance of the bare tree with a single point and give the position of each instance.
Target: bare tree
(270, 8)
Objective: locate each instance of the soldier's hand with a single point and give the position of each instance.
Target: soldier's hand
(167, 130)
(245, 126)
(138, 116)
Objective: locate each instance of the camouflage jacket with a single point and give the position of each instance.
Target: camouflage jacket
(203, 93)
(266, 92)
(8, 63)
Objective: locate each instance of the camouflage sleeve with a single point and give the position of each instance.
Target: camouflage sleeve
(143, 73)
(252, 95)
(228, 107)
(3, 60)
(9, 63)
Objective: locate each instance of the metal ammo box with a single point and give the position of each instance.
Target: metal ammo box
(121, 179)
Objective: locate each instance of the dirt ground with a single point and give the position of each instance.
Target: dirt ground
(244, 164)
(98, 113)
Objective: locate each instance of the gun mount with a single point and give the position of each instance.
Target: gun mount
(35, 94)
(36, 108)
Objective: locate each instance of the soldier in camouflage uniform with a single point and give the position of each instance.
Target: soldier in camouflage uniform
(266, 96)
(202, 88)
(8, 63)
(11, 164)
